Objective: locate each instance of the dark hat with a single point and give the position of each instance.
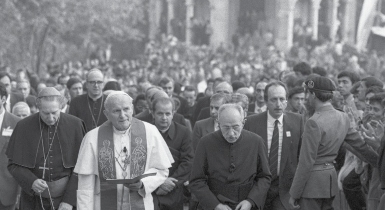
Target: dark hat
(73, 81)
(320, 84)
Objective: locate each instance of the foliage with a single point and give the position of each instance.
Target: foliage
(37, 32)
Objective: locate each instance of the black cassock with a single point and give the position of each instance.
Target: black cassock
(39, 151)
(230, 172)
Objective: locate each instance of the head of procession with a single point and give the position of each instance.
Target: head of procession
(50, 102)
(230, 121)
(119, 109)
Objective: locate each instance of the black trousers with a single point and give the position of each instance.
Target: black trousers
(353, 191)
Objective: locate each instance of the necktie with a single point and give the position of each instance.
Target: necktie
(273, 156)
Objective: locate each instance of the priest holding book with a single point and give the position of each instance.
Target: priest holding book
(122, 161)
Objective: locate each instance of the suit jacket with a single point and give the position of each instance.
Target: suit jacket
(291, 143)
(251, 107)
(203, 114)
(201, 103)
(202, 128)
(381, 162)
(9, 186)
(323, 136)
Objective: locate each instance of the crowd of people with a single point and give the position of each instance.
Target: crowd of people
(247, 127)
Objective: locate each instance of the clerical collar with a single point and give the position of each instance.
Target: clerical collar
(123, 132)
(165, 130)
(95, 99)
(170, 131)
(49, 126)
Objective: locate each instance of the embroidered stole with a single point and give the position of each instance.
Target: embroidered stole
(106, 164)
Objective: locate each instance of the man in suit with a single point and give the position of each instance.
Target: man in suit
(282, 143)
(315, 182)
(169, 195)
(209, 125)
(9, 186)
(12, 98)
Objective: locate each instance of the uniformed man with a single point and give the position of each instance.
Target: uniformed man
(315, 181)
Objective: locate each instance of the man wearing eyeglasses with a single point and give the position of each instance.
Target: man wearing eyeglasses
(281, 132)
(230, 169)
(89, 107)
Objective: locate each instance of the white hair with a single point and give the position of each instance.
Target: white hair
(113, 95)
(231, 106)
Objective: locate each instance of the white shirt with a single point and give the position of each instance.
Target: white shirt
(263, 108)
(216, 125)
(270, 129)
(2, 118)
(8, 103)
(121, 140)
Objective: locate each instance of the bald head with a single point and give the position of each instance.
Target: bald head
(224, 87)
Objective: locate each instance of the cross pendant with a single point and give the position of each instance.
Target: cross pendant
(43, 168)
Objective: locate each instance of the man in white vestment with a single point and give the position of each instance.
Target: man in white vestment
(113, 154)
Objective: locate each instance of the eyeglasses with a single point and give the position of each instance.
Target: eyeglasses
(95, 82)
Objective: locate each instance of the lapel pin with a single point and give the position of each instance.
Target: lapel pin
(288, 134)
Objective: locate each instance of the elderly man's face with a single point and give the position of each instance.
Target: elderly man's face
(49, 111)
(230, 123)
(119, 112)
(22, 112)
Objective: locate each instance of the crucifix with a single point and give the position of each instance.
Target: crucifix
(43, 168)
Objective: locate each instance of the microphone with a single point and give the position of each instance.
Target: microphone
(124, 149)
